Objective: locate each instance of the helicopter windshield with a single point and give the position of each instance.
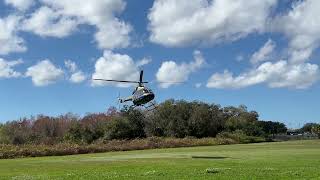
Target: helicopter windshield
(135, 90)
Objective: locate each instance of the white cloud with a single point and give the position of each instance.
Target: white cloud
(9, 39)
(171, 72)
(60, 18)
(47, 22)
(299, 76)
(117, 67)
(198, 85)
(115, 34)
(77, 76)
(21, 5)
(278, 74)
(182, 23)
(6, 68)
(264, 53)
(72, 66)
(44, 73)
(144, 61)
(302, 26)
(239, 57)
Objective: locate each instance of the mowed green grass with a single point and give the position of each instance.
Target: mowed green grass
(283, 160)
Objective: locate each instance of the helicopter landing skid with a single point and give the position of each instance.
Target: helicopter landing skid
(151, 106)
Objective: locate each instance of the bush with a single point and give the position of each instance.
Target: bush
(240, 137)
(31, 150)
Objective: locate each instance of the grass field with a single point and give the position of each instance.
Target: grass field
(283, 160)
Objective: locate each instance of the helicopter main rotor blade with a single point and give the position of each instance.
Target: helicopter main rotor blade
(168, 82)
(120, 81)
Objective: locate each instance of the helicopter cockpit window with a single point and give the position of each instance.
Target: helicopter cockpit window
(135, 90)
(147, 91)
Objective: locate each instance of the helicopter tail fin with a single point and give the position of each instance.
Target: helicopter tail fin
(120, 100)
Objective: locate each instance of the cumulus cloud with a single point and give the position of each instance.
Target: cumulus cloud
(171, 72)
(279, 74)
(21, 5)
(77, 76)
(60, 18)
(181, 23)
(265, 52)
(6, 68)
(282, 73)
(44, 73)
(144, 61)
(115, 66)
(302, 26)
(9, 39)
(47, 22)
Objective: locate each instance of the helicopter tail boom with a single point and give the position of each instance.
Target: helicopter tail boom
(123, 100)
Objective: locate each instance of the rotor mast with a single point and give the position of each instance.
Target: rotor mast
(141, 78)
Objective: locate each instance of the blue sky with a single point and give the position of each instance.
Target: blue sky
(263, 55)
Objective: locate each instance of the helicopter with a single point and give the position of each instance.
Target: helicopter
(141, 95)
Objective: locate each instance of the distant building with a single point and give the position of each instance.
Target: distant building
(293, 132)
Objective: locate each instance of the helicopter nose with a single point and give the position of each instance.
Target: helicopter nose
(150, 96)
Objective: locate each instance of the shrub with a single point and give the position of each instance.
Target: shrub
(240, 137)
(32, 150)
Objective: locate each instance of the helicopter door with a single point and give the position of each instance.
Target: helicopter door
(138, 94)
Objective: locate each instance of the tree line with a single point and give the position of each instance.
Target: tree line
(313, 128)
(172, 118)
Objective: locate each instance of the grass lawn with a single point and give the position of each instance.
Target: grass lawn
(283, 160)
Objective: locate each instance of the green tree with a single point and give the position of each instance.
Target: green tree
(74, 133)
(3, 138)
(238, 118)
(308, 127)
(94, 126)
(206, 120)
(17, 132)
(119, 128)
(129, 125)
(178, 121)
(272, 128)
(157, 122)
(316, 130)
